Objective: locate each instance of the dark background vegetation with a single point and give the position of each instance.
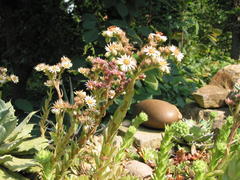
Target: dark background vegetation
(31, 32)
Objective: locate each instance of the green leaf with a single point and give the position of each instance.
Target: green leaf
(180, 101)
(9, 127)
(119, 23)
(83, 177)
(144, 30)
(8, 147)
(2, 134)
(152, 81)
(24, 105)
(7, 112)
(89, 24)
(19, 164)
(21, 127)
(25, 131)
(122, 9)
(31, 146)
(5, 158)
(89, 17)
(8, 175)
(90, 36)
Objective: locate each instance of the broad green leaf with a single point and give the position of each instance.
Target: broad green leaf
(9, 127)
(2, 133)
(90, 36)
(119, 23)
(144, 30)
(89, 17)
(122, 9)
(8, 147)
(31, 146)
(5, 158)
(24, 105)
(8, 175)
(3, 113)
(20, 127)
(89, 24)
(152, 81)
(7, 112)
(19, 164)
(25, 131)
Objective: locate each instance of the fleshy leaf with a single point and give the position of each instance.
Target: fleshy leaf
(5, 158)
(19, 164)
(20, 127)
(8, 175)
(31, 146)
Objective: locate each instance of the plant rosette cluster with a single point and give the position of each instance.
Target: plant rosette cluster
(109, 77)
(4, 77)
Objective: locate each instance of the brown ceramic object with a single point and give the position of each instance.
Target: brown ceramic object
(159, 113)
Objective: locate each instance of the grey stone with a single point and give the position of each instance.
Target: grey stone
(145, 137)
(210, 96)
(139, 169)
(193, 111)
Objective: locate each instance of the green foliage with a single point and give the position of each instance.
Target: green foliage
(195, 133)
(44, 157)
(164, 154)
(199, 167)
(17, 146)
(232, 167)
(220, 145)
(24, 105)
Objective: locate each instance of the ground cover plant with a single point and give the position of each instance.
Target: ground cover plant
(188, 149)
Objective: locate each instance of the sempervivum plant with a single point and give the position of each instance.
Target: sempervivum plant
(191, 132)
(17, 146)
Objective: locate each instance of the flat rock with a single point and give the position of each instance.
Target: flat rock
(144, 137)
(160, 113)
(226, 77)
(211, 96)
(193, 111)
(139, 169)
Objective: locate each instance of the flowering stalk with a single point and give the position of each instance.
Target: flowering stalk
(45, 112)
(108, 79)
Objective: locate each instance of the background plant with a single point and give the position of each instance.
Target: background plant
(17, 145)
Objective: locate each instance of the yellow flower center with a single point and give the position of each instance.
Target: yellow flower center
(126, 61)
(162, 63)
(151, 51)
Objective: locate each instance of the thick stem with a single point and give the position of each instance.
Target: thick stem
(45, 111)
(113, 127)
